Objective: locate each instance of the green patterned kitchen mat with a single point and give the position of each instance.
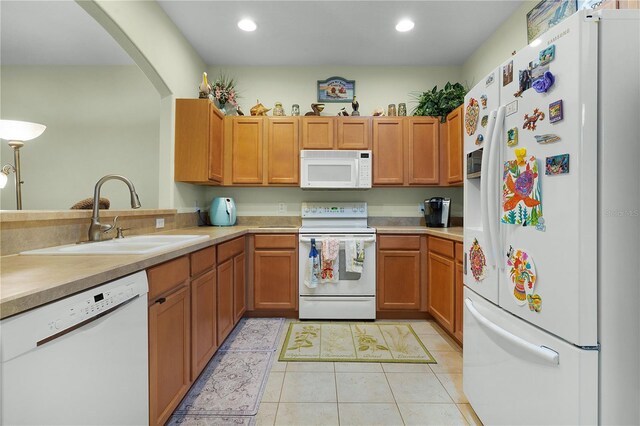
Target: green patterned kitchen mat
(354, 342)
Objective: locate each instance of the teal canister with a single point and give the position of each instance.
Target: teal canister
(222, 212)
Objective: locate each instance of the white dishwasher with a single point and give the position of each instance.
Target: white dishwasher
(79, 361)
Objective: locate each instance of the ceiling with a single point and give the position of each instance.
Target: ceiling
(290, 33)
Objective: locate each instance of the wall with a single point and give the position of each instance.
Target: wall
(510, 36)
(100, 120)
(375, 86)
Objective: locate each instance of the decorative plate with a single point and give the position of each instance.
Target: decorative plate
(471, 116)
(477, 260)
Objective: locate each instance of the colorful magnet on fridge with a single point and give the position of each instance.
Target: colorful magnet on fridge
(483, 101)
(521, 194)
(484, 121)
(547, 55)
(540, 226)
(555, 111)
(479, 139)
(471, 116)
(507, 73)
(544, 139)
(530, 121)
(489, 81)
(512, 137)
(522, 272)
(557, 165)
(535, 302)
(477, 260)
(544, 82)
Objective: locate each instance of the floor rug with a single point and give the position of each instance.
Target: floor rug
(354, 342)
(233, 382)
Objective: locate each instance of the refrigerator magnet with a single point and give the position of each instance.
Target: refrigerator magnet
(477, 260)
(483, 101)
(535, 302)
(479, 139)
(540, 226)
(531, 120)
(522, 272)
(557, 165)
(548, 138)
(547, 55)
(512, 137)
(507, 73)
(555, 111)
(521, 195)
(484, 121)
(544, 82)
(471, 116)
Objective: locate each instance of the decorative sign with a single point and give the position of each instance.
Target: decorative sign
(521, 195)
(336, 89)
(523, 276)
(547, 14)
(544, 139)
(555, 111)
(478, 261)
(489, 81)
(557, 165)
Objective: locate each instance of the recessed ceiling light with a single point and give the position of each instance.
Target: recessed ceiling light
(247, 25)
(405, 25)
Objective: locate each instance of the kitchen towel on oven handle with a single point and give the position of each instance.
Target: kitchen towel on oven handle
(330, 260)
(354, 253)
(312, 269)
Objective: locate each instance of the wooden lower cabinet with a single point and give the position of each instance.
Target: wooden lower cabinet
(204, 339)
(225, 299)
(441, 289)
(239, 287)
(459, 300)
(400, 273)
(169, 349)
(275, 279)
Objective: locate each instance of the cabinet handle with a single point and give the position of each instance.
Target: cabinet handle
(161, 300)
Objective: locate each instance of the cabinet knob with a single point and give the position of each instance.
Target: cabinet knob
(161, 300)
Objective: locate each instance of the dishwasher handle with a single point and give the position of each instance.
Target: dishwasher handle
(85, 322)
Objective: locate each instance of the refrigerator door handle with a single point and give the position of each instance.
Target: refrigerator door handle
(493, 183)
(485, 181)
(539, 352)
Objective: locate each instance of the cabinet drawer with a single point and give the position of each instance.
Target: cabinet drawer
(443, 247)
(202, 260)
(399, 242)
(230, 249)
(459, 253)
(275, 241)
(167, 276)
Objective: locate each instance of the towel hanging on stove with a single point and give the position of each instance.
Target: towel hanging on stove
(330, 262)
(354, 253)
(312, 269)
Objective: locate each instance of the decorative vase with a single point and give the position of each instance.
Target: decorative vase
(221, 106)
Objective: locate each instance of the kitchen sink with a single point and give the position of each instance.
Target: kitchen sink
(141, 244)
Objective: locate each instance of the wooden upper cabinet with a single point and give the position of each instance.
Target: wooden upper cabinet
(283, 154)
(354, 132)
(318, 132)
(198, 142)
(454, 145)
(246, 150)
(423, 150)
(388, 151)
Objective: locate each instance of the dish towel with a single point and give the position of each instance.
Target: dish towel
(330, 266)
(312, 273)
(354, 253)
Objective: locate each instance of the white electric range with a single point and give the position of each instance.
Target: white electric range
(353, 296)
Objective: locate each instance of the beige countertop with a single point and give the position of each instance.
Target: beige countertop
(27, 282)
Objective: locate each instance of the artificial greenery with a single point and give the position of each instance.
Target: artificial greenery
(439, 103)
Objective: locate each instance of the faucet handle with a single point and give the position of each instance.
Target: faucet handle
(107, 228)
(120, 232)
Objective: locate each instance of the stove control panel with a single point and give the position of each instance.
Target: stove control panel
(334, 210)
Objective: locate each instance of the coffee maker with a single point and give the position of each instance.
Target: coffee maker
(436, 212)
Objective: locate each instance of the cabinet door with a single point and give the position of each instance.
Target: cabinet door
(169, 342)
(203, 322)
(275, 280)
(354, 133)
(440, 287)
(398, 280)
(388, 151)
(225, 300)
(424, 158)
(283, 151)
(459, 300)
(239, 288)
(454, 146)
(216, 143)
(246, 150)
(318, 132)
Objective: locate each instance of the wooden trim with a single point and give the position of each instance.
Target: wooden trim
(441, 246)
(401, 315)
(230, 249)
(202, 260)
(272, 313)
(398, 242)
(275, 241)
(167, 276)
(424, 274)
(459, 252)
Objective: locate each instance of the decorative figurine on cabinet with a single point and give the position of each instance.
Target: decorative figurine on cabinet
(343, 112)
(204, 87)
(317, 109)
(355, 105)
(259, 109)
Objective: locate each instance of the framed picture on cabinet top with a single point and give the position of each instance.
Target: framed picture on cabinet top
(547, 14)
(336, 89)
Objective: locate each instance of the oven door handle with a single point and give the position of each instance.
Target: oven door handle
(364, 240)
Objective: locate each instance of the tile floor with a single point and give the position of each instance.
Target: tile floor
(343, 393)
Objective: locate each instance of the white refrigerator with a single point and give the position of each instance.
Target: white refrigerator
(552, 228)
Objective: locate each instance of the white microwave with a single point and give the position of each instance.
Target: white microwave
(335, 169)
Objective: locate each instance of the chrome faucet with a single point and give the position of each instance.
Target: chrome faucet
(97, 229)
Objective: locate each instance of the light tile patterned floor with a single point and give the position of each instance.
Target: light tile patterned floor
(345, 393)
